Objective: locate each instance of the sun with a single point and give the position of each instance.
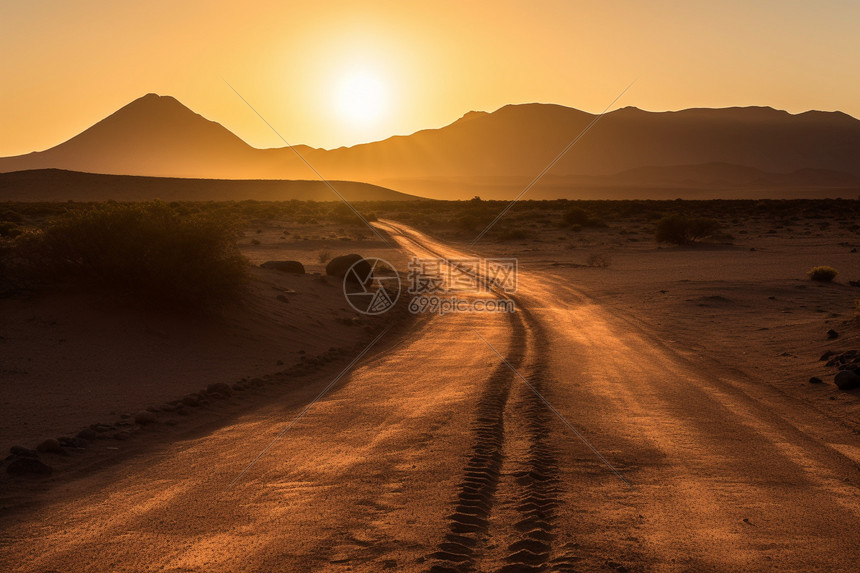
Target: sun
(361, 97)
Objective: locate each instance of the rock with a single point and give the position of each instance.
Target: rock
(87, 434)
(338, 267)
(294, 267)
(28, 466)
(847, 379)
(144, 417)
(815, 380)
(101, 428)
(238, 386)
(191, 400)
(220, 389)
(51, 445)
(827, 355)
(67, 442)
(854, 283)
(831, 334)
(23, 452)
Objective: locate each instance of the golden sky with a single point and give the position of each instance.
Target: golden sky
(412, 65)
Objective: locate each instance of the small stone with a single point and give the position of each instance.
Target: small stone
(826, 356)
(847, 379)
(51, 445)
(144, 417)
(832, 334)
(293, 267)
(191, 400)
(23, 452)
(87, 434)
(815, 380)
(219, 388)
(28, 466)
(68, 442)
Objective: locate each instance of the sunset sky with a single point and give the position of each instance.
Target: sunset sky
(338, 73)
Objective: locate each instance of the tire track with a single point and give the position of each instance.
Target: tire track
(536, 484)
(534, 490)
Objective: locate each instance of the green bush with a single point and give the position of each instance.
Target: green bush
(146, 249)
(683, 230)
(822, 274)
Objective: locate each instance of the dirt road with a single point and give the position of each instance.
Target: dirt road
(438, 452)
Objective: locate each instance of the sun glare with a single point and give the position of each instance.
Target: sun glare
(360, 97)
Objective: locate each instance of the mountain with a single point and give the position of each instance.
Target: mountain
(499, 152)
(157, 136)
(60, 185)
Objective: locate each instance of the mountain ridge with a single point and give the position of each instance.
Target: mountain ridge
(158, 136)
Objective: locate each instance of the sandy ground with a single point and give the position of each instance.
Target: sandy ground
(74, 359)
(691, 438)
(747, 305)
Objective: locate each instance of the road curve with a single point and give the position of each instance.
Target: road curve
(433, 454)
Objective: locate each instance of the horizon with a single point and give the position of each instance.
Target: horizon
(333, 76)
(463, 115)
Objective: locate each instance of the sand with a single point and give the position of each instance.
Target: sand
(71, 359)
(674, 364)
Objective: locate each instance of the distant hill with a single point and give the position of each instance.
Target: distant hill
(158, 136)
(60, 185)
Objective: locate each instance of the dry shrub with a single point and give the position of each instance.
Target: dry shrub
(149, 250)
(822, 274)
(598, 261)
(683, 230)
